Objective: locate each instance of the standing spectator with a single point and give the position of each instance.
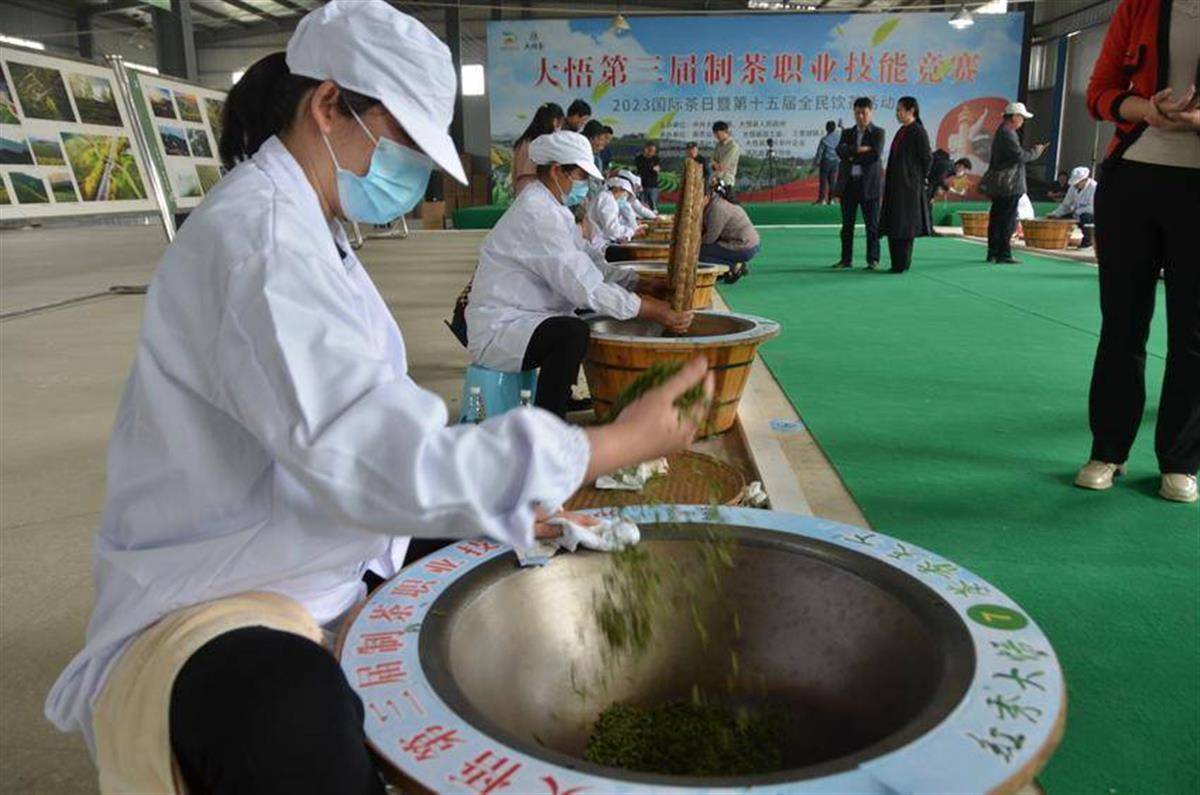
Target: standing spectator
(905, 213)
(1079, 203)
(606, 149)
(547, 119)
(728, 236)
(648, 167)
(1058, 190)
(826, 163)
(725, 155)
(593, 131)
(1005, 181)
(578, 113)
(693, 151)
(1146, 211)
(860, 177)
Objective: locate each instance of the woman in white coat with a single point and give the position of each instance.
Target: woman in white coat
(271, 450)
(605, 213)
(535, 270)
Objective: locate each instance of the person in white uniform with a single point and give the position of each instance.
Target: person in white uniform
(535, 270)
(1080, 202)
(269, 438)
(605, 213)
(636, 209)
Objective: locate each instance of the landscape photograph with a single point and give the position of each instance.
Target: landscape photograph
(189, 107)
(8, 107)
(198, 139)
(105, 167)
(94, 100)
(46, 151)
(209, 175)
(28, 188)
(61, 187)
(187, 184)
(214, 108)
(160, 102)
(174, 140)
(4, 198)
(14, 151)
(41, 91)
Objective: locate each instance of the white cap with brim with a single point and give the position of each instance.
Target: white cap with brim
(1080, 173)
(369, 47)
(620, 182)
(1017, 109)
(566, 149)
(634, 179)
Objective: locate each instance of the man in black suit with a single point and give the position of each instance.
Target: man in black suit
(860, 177)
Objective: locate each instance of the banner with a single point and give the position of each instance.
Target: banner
(777, 79)
(66, 144)
(183, 124)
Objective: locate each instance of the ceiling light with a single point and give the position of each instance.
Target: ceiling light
(962, 19)
(472, 80)
(141, 67)
(620, 24)
(780, 5)
(234, 77)
(33, 45)
(993, 7)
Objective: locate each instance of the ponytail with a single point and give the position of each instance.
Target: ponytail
(264, 102)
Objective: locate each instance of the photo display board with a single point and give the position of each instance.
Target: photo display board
(183, 124)
(66, 143)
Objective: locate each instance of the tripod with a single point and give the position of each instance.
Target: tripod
(767, 168)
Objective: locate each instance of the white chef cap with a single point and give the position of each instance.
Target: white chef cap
(1080, 173)
(620, 182)
(566, 149)
(369, 47)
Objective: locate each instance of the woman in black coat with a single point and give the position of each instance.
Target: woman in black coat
(905, 213)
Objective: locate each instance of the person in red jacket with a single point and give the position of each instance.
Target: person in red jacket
(1146, 210)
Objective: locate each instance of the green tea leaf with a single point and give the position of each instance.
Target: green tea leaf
(883, 31)
(838, 30)
(600, 90)
(656, 129)
(943, 69)
(610, 121)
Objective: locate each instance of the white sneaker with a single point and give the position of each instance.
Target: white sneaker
(1179, 487)
(1098, 475)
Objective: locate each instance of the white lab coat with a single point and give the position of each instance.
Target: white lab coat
(534, 265)
(604, 213)
(270, 438)
(1077, 202)
(638, 210)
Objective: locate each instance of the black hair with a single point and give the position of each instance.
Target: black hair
(965, 162)
(592, 129)
(830, 126)
(718, 126)
(691, 145)
(579, 108)
(719, 188)
(264, 103)
(1064, 173)
(650, 143)
(864, 102)
(543, 122)
(609, 130)
(910, 103)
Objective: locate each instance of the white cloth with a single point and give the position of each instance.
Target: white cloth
(270, 439)
(604, 213)
(564, 148)
(634, 478)
(1077, 201)
(1025, 208)
(611, 535)
(534, 265)
(369, 47)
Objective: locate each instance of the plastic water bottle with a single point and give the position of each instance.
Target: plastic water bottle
(476, 410)
(526, 398)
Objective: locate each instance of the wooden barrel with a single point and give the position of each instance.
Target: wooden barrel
(974, 223)
(653, 274)
(620, 350)
(622, 252)
(656, 235)
(691, 479)
(1047, 233)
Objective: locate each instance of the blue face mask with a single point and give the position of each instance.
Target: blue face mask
(623, 203)
(578, 193)
(393, 185)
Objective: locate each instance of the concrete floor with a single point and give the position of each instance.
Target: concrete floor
(61, 373)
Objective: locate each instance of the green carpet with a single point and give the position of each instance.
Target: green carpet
(953, 402)
(763, 214)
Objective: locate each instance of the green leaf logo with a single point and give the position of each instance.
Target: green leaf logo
(611, 121)
(599, 91)
(883, 31)
(838, 30)
(943, 69)
(657, 128)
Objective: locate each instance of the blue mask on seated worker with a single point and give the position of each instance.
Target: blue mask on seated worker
(623, 202)
(393, 185)
(578, 193)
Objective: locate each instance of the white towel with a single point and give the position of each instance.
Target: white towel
(633, 478)
(610, 535)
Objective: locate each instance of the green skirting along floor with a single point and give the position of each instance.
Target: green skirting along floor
(953, 402)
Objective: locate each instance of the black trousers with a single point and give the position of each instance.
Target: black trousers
(900, 249)
(852, 199)
(261, 711)
(1002, 224)
(557, 346)
(1145, 221)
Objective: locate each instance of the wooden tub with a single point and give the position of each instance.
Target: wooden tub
(974, 222)
(620, 350)
(655, 271)
(1048, 233)
(623, 252)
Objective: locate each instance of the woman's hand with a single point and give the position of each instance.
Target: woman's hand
(1163, 112)
(660, 312)
(652, 426)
